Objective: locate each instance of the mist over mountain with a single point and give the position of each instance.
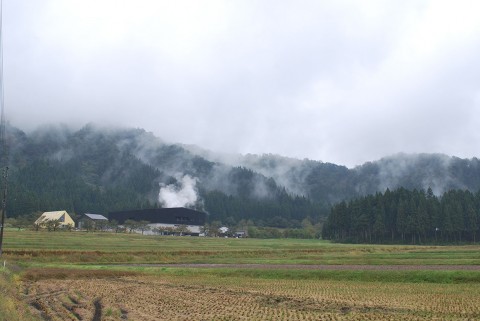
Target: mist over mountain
(332, 183)
(100, 169)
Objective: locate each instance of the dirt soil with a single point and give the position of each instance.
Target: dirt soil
(149, 298)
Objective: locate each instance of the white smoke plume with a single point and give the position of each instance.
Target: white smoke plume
(183, 194)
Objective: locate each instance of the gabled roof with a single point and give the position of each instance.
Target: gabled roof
(63, 216)
(96, 216)
(55, 215)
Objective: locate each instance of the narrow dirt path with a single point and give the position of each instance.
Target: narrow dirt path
(322, 267)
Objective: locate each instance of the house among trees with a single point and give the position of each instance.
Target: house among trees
(92, 222)
(54, 220)
(165, 221)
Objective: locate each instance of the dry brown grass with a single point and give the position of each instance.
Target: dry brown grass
(36, 274)
(12, 307)
(81, 296)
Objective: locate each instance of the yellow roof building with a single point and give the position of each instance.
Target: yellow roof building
(61, 216)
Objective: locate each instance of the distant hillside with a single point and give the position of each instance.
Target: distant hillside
(100, 170)
(326, 182)
(97, 169)
(419, 171)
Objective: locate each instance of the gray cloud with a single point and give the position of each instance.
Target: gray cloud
(338, 81)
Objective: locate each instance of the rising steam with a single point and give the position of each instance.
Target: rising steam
(182, 194)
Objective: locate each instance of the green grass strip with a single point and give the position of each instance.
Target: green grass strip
(421, 276)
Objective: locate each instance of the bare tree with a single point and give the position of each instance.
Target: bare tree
(52, 225)
(101, 225)
(181, 229)
(87, 225)
(214, 226)
(113, 224)
(130, 225)
(143, 226)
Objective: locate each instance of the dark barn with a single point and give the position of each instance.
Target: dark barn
(175, 215)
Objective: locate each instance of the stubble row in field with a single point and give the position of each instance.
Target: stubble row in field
(201, 297)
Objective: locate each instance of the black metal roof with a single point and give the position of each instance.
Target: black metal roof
(174, 215)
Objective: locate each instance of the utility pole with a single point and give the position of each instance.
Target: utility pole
(3, 137)
(4, 207)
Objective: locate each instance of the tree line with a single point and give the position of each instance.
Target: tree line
(282, 210)
(404, 216)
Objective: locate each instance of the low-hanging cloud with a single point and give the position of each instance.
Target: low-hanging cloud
(182, 194)
(338, 81)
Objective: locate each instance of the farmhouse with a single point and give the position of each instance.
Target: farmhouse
(165, 220)
(60, 217)
(93, 221)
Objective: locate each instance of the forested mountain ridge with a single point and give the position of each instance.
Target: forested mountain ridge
(439, 172)
(100, 170)
(97, 169)
(333, 183)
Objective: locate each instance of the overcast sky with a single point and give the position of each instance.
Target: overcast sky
(337, 81)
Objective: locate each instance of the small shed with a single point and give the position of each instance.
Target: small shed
(64, 220)
(94, 221)
(241, 234)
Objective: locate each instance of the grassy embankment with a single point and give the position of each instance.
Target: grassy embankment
(11, 306)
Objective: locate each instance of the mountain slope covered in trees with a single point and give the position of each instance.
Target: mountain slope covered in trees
(99, 170)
